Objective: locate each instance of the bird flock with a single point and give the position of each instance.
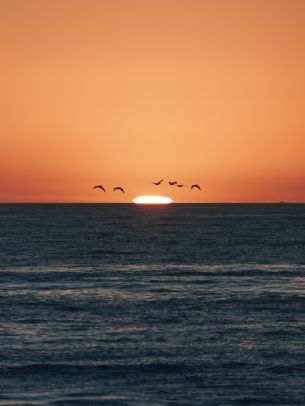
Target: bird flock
(114, 189)
(158, 183)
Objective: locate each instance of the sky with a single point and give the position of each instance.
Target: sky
(127, 92)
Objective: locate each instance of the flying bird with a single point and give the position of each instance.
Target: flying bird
(99, 187)
(196, 186)
(158, 183)
(172, 183)
(118, 188)
(181, 186)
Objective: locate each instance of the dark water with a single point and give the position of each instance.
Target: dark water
(148, 306)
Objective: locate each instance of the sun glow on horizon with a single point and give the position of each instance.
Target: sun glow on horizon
(152, 200)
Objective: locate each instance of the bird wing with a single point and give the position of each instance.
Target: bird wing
(119, 188)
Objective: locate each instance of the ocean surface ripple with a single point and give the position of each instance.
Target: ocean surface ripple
(185, 304)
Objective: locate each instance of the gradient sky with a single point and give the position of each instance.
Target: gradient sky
(126, 92)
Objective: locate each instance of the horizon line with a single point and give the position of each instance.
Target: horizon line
(254, 202)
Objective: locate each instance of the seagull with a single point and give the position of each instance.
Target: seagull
(158, 183)
(181, 186)
(172, 183)
(118, 188)
(196, 186)
(99, 187)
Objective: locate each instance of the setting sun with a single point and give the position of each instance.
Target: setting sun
(152, 200)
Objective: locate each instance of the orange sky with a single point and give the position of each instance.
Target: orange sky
(126, 92)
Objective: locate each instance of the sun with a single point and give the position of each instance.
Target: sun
(152, 200)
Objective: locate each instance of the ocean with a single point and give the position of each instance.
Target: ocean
(181, 304)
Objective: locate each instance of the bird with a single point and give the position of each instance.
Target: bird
(118, 188)
(181, 186)
(172, 183)
(196, 186)
(99, 187)
(158, 183)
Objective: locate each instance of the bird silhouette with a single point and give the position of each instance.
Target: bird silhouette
(196, 186)
(172, 183)
(158, 183)
(99, 187)
(181, 186)
(118, 188)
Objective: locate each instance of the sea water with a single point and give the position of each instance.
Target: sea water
(183, 304)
